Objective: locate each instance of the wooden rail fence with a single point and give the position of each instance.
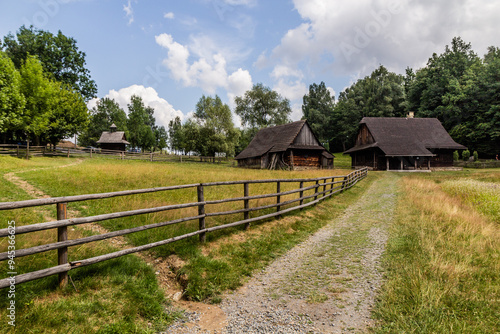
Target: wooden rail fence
(323, 187)
(23, 151)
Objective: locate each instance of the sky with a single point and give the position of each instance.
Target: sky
(171, 53)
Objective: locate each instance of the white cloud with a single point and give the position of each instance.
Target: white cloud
(292, 90)
(207, 72)
(129, 12)
(164, 111)
(169, 15)
(360, 35)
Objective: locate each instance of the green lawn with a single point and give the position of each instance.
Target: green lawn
(123, 294)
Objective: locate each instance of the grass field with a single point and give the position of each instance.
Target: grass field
(123, 295)
(443, 256)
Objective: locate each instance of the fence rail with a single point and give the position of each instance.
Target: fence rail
(323, 187)
(22, 151)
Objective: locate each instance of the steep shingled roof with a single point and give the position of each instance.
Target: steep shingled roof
(275, 139)
(117, 137)
(407, 136)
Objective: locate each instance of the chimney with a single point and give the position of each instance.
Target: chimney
(411, 114)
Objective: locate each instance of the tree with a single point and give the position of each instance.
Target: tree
(318, 111)
(262, 107)
(175, 134)
(161, 137)
(191, 140)
(141, 124)
(379, 95)
(435, 90)
(12, 100)
(59, 56)
(216, 126)
(106, 112)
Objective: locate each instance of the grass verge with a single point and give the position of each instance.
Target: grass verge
(442, 260)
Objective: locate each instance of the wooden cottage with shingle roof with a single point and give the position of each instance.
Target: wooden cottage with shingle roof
(290, 146)
(113, 140)
(391, 143)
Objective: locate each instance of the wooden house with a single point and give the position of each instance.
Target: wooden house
(113, 140)
(291, 146)
(391, 143)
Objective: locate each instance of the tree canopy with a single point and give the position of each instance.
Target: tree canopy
(261, 107)
(317, 108)
(58, 54)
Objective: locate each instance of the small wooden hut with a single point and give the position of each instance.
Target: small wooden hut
(396, 143)
(291, 146)
(113, 140)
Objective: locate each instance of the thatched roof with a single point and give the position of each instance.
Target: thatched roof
(117, 137)
(277, 139)
(407, 136)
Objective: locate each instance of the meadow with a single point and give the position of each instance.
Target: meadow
(124, 293)
(443, 257)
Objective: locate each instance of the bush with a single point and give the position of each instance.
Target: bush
(476, 156)
(466, 155)
(455, 156)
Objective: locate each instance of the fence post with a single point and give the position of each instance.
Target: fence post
(43, 151)
(17, 151)
(301, 193)
(324, 187)
(331, 185)
(278, 197)
(246, 204)
(68, 153)
(316, 190)
(201, 212)
(344, 182)
(62, 235)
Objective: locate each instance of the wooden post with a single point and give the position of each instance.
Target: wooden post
(62, 235)
(68, 153)
(43, 151)
(151, 156)
(429, 163)
(387, 162)
(402, 164)
(278, 197)
(91, 152)
(181, 157)
(344, 182)
(331, 186)
(201, 211)
(27, 148)
(316, 190)
(291, 158)
(324, 186)
(17, 150)
(301, 193)
(246, 204)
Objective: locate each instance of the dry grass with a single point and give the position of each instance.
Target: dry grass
(443, 264)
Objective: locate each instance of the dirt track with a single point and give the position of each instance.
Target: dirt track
(327, 284)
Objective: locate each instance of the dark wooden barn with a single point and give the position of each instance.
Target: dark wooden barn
(291, 146)
(113, 140)
(390, 143)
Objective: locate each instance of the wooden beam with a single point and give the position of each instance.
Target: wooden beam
(62, 235)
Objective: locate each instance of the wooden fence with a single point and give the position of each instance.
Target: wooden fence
(323, 187)
(22, 151)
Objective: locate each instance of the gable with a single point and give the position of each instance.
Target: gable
(306, 137)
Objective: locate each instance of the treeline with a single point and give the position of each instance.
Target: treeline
(211, 130)
(43, 87)
(139, 125)
(458, 87)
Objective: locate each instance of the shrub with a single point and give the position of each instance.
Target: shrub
(466, 155)
(455, 156)
(476, 156)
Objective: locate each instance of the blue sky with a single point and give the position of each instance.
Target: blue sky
(173, 52)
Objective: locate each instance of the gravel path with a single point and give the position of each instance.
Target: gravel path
(327, 284)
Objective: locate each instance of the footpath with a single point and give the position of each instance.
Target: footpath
(327, 284)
